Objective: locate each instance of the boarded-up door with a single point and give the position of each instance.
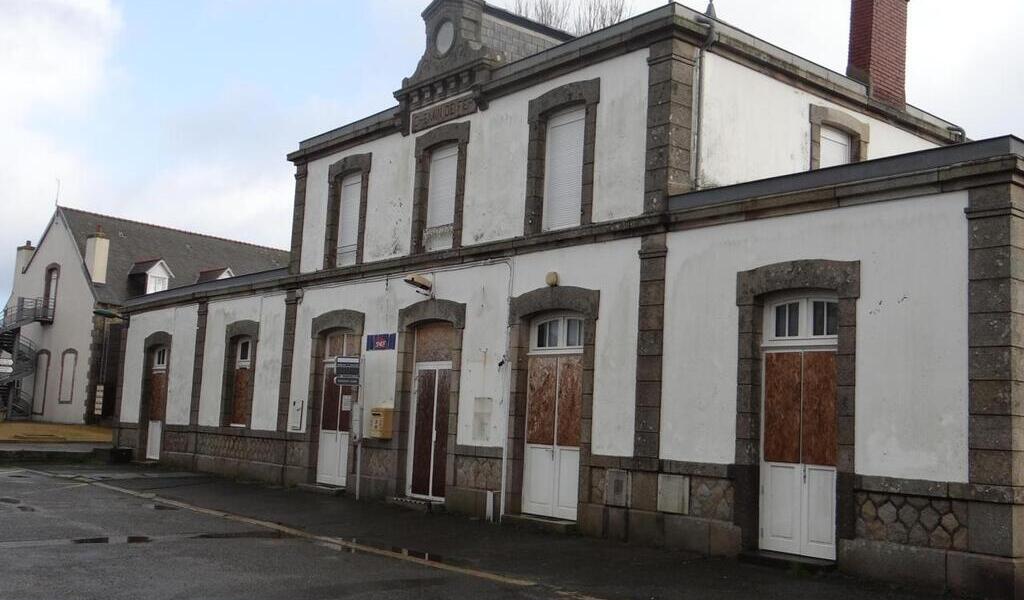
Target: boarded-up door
(799, 453)
(551, 472)
(157, 402)
(432, 379)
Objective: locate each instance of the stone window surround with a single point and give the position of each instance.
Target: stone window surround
(523, 310)
(336, 321)
(409, 318)
(74, 373)
(859, 132)
(579, 93)
(233, 332)
(752, 287)
(153, 341)
(350, 165)
(449, 133)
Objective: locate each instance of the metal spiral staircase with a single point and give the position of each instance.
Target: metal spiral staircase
(18, 354)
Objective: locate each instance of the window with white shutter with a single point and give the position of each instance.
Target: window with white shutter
(444, 167)
(835, 147)
(563, 170)
(348, 219)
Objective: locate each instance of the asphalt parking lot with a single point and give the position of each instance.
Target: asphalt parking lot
(90, 531)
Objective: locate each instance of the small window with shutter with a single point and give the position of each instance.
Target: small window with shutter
(835, 147)
(444, 167)
(348, 221)
(563, 171)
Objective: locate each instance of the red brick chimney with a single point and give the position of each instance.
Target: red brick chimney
(878, 48)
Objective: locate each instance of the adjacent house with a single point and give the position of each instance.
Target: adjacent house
(666, 281)
(65, 359)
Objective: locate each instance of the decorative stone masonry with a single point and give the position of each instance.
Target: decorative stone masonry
(912, 520)
(711, 498)
(350, 165)
(298, 219)
(669, 122)
(579, 93)
(452, 133)
(291, 306)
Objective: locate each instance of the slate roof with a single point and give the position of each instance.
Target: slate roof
(186, 254)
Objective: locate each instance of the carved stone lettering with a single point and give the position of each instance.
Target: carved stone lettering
(442, 113)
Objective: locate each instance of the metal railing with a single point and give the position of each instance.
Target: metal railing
(15, 405)
(22, 361)
(25, 311)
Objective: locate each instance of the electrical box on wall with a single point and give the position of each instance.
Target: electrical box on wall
(380, 423)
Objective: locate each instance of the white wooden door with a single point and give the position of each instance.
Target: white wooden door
(153, 440)
(552, 465)
(798, 474)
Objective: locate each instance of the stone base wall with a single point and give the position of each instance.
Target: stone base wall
(665, 507)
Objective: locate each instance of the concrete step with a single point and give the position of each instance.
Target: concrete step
(323, 489)
(536, 523)
(788, 562)
(417, 504)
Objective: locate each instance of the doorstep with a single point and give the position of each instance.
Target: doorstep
(416, 504)
(544, 524)
(321, 488)
(789, 562)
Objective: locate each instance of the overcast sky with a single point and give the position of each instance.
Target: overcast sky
(181, 112)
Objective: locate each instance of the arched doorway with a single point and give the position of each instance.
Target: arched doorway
(799, 428)
(554, 398)
(336, 404)
(158, 361)
(429, 410)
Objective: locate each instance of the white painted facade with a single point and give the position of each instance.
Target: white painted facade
(180, 322)
(911, 384)
(71, 329)
(756, 127)
(268, 311)
(495, 185)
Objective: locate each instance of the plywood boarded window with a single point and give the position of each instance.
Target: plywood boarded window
(434, 342)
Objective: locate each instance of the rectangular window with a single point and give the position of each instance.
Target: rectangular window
(787, 320)
(348, 219)
(563, 170)
(156, 284)
(835, 147)
(444, 167)
(574, 332)
(826, 318)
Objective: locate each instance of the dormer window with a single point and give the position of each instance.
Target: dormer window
(835, 147)
(150, 276)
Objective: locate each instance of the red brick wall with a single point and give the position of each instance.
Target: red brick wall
(878, 47)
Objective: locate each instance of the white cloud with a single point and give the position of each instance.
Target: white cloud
(54, 60)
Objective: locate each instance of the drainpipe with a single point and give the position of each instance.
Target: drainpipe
(708, 19)
(506, 390)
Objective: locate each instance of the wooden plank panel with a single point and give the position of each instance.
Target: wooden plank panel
(782, 407)
(157, 395)
(434, 342)
(241, 396)
(570, 397)
(423, 428)
(444, 378)
(819, 409)
(540, 412)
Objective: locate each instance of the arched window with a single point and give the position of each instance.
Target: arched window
(557, 332)
(160, 356)
(806, 319)
(50, 286)
(68, 365)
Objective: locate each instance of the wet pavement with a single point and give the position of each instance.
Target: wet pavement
(89, 531)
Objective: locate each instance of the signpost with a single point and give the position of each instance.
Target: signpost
(346, 371)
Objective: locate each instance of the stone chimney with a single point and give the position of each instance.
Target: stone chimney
(22, 258)
(878, 48)
(97, 250)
